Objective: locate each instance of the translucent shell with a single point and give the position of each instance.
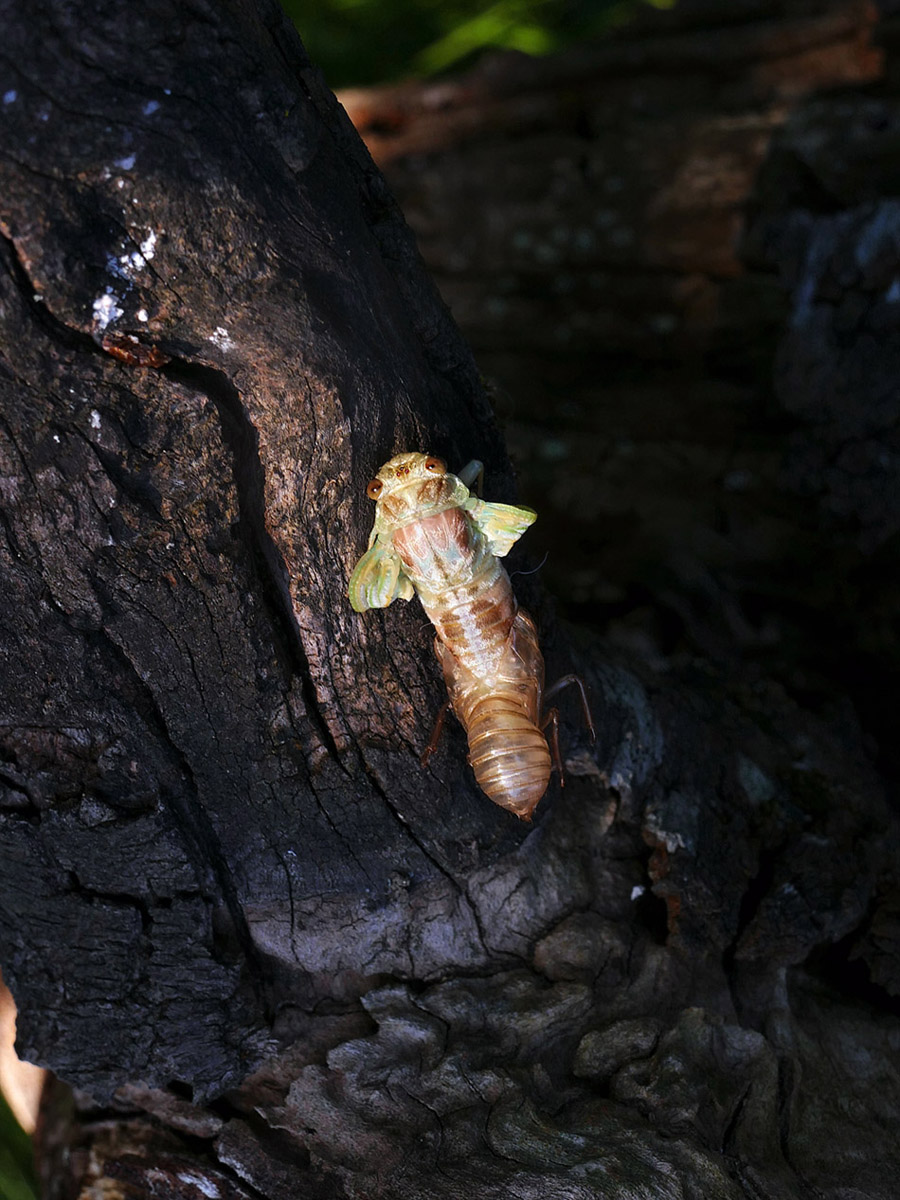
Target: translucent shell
(433, 536)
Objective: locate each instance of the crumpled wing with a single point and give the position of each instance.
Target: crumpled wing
(377, 580)
(501, 524)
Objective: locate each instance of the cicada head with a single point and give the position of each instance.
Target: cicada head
(411, 486)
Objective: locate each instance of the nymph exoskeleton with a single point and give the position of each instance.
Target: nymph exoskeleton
(433, 537)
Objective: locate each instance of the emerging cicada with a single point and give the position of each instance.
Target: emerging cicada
(433, 537)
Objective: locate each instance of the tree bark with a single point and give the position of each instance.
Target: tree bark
(272, 955)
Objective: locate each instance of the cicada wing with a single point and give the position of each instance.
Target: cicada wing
(377, 580)
(501, 524)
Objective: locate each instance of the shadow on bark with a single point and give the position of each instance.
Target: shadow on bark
(269, 953)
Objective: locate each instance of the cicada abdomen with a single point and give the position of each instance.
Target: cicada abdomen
(432, 536)
(507, 749)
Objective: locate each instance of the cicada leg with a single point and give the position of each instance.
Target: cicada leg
(551, 718)
(585, 707)
(435, 734)
(472, 472)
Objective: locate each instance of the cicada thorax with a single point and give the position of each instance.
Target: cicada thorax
(438, 549)
(499, 712)
(463, 588)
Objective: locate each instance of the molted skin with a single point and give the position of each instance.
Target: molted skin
(430, 534)
(507, 750)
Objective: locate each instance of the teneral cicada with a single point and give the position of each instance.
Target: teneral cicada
(432, 536)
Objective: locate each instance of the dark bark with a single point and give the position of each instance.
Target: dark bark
(183, 674)
(235, 914)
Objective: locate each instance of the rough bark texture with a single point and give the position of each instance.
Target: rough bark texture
(274, 958)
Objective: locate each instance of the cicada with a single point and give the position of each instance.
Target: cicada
(433, 537)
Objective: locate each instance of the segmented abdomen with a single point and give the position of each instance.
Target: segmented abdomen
(508, 754)
(507, 750)
(488, 649)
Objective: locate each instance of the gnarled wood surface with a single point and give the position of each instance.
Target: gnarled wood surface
(273, 957)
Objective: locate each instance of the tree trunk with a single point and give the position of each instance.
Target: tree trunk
(271, 954)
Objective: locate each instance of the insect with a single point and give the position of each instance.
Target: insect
(433, 537)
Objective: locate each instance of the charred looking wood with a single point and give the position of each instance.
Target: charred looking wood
(269, 952)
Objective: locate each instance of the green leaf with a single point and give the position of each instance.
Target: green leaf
(357, 42)
(17, 1175)
(509, 24)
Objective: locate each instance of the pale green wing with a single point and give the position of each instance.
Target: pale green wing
(377, 580)
(501, 524)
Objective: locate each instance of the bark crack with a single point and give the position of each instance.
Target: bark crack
(242, 439)
(460, 884)
(201, 839)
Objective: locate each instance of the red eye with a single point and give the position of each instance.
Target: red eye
(435, 466)
(373, 489)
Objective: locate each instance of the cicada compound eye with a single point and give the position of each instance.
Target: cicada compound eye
(435, 466)
(374, 488)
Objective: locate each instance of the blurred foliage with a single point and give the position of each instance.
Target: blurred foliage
(17, 1178)
(376, 41)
